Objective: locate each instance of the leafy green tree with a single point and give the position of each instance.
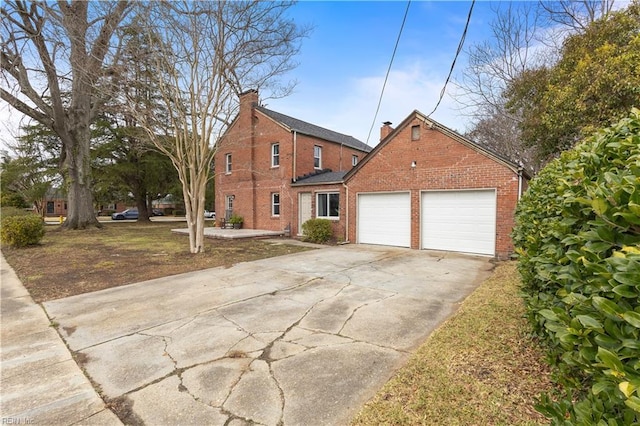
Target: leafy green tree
(32, 171)
(595, 82)
(125, 164)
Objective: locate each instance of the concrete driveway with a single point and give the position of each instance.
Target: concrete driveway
(304, 339)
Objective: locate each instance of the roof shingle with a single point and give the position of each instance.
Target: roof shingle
(312, 130)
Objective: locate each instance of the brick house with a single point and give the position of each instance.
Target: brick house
(264, 153)
(425, 186)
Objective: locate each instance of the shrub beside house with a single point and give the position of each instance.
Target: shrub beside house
(577, 237)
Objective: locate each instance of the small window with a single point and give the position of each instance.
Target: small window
(228, 164)
(354, 160)
(317, 157)
(328, 206)
(229, 203)
(415, 133)
(275, 155)
(275, 204)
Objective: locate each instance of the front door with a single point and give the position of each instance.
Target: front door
(304, 209)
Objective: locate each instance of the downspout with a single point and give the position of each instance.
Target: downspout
(295, 155)
(519, 183)
(254, 204)
(346, 213)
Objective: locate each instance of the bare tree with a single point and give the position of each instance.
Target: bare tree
(207, 53)
(494, 63)
(576, 15)
(53, 55)
(525, 36)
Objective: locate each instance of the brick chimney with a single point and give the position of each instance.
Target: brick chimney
(385, 129)
(248, 100)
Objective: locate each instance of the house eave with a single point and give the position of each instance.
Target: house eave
(337, 182)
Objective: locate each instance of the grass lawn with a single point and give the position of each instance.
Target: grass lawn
(478, 368)
(74, 262)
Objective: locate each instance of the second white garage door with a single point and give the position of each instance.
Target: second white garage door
(385, 219)
(463, 221)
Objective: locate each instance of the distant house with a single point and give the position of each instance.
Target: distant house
(55, 203)
(264, 153)
(423, 186)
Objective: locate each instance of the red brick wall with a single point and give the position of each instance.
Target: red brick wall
(338, 224)
(334, 156)
(441, 163)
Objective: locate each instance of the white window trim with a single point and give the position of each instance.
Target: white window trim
(274, 156)
(319, 166)
(228, 164)
(354, 160)
(318, 205)
(273, 204)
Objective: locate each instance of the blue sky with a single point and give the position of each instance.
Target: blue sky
(343, 63)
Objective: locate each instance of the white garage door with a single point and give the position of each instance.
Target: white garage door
(385, 219)
(462, 221)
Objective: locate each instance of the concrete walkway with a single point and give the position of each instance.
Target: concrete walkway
(303, 339)
(40, 382)
(233, 234)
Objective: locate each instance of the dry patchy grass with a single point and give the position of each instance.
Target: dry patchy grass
(478, 368)
(73, 262)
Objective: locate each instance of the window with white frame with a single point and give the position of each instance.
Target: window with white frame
(317, 157)
(354, 160)
(275, 204)
(229, 202)
(275, 155)
(328, 205)
(227, 167)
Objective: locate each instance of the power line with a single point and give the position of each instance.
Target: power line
(386, 77)
(464, 35)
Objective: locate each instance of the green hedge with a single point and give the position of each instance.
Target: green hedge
(577, 239)
(317, 230)
(22, 230)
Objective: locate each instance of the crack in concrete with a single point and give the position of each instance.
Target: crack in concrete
(357, 309)
(280, 391)
(265, 356)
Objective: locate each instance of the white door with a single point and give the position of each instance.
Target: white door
(304, 209)
(463, 221)
(384, 218)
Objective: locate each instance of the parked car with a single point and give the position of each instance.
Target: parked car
(126, 214)
(209, 215)
(157, 212)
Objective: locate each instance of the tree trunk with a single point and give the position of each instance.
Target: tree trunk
(77, 170)
(141, 203)
(194, 210)
(80, 210)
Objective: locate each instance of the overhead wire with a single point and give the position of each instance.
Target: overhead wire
(453, 64)
(386, 77)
